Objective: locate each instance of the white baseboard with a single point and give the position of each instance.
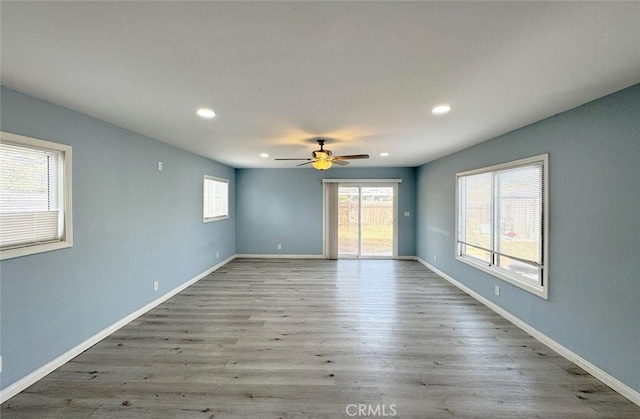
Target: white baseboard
(279, 256)
(276, 256)
(601, 375)
(48, 368)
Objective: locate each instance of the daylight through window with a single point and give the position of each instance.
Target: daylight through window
(502, 222)
(35, 189)
(215, 199)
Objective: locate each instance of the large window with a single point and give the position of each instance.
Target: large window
(215, 199)
(502, 222)
(35, 196)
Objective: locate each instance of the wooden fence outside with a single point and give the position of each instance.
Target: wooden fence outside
(373, 212)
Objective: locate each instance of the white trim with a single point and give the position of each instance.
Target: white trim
(276, 256)
(393, 183)
(612, 382)
(499, 273)
(541, 290)
(67, 151)
(355, 257)
(406, 257)
(35, 249)
(396, 219)
(506, 165)
(361, 180)
(48, 368)
(329, 230)
(225, 216)
(330, 220)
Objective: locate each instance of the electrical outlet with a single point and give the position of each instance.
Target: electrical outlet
(496, 290)
(0, 364)
(279, 247)
(435, 258)
(407, 214)
(217, 255)
(155, 285)
(159, 166)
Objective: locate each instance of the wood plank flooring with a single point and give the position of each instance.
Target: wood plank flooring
(319, 339)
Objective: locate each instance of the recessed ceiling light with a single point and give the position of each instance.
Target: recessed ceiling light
(440, 109)
(206, 113)
(384, 154)
(264, 155)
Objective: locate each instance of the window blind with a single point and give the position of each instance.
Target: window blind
(31, 196)
(215, 198)
(501, 219)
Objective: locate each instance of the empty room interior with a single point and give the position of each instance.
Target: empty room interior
(300, 209)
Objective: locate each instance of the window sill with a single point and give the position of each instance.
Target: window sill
(35, 249)
(540, 291)
(211, 219)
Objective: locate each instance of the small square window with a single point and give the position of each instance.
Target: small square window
(215, 199)
(35, 196)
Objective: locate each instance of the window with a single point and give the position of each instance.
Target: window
(215, 199)
(35, 196)
(502, 222)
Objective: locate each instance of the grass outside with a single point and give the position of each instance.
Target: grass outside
(525, 249)
(376, 240)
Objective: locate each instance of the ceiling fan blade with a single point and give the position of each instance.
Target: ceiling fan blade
(340, 162)
(302, 164)
(351, 157)
(293, 159)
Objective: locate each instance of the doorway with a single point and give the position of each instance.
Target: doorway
(364, 223)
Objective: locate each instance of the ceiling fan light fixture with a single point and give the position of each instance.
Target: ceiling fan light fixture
(323, 159)
(321, 164)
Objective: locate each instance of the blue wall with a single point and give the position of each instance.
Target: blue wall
(132, 225)
(594, 185)
(284, 206)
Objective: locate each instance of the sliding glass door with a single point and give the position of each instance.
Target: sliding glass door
(366, 220)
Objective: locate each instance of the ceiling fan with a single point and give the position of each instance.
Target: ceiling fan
(323, 159)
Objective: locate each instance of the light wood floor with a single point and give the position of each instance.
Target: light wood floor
(315, 339)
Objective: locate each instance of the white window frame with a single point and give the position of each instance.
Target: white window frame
(66, 239)
(225, 215)
(540, 289)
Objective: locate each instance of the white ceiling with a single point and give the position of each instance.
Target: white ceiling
(364, 74)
